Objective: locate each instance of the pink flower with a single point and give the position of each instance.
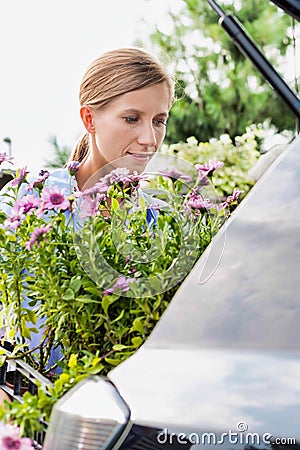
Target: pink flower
(39, 182)
(53, 197)
(234, 196)
(231, 199)
(199, 203)
(207, 169)
(26, 204)
(21, 176)
(73, 167)
(121, 283)
(120, 176)
(37, 236)
(98, 188)
(12, 222)
(176, 175)
(10, 438)
(5, 158)
(89, 206)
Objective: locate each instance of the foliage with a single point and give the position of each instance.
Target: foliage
(90, 273)
(61, 155)
(32, 414)
(219, 91)
(238, 155)
(80, 272)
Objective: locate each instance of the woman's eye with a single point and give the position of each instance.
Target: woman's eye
(160, 122)
(130, 119)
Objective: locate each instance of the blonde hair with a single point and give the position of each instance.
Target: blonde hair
(114, 73)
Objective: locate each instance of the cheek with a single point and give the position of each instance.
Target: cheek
(111, 141)
(160, 136)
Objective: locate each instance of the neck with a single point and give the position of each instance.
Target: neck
(87, 174)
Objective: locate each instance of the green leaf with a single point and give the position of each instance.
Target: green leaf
(136, 341)
(119, 347)
(137, 326)
(75, 284)
(11, 333)
(68, 295)
(106, 301)
(72, 363)
(86, 299)
(25, 330)
(114, 204)
(120, 316)
(113, 362)
(31, 315)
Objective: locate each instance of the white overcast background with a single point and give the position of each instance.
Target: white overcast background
(45, 48)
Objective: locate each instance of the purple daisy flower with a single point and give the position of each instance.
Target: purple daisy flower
(39, 182)
(199, 203)
(37, 236)
(5, 158)
(26, 204)
(121, 283)
(73, 167)
(21, 177)
(12, 223)
(53, 197)
(119, 175)
(10, 438)
(89, 206)
(234, 196)
(231, 199)
(123, 177)
(207, 169)
(176, 175)
(98, 188)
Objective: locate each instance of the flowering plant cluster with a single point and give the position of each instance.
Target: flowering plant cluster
(95, 269)
(91, 272)
(238, 155)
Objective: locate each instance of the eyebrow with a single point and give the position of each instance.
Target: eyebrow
(137, 111)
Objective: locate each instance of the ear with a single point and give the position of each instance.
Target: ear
(87, 117)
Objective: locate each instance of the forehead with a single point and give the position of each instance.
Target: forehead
(154, 99)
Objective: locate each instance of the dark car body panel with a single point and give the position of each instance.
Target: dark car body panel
(292, 7)
(227, 349)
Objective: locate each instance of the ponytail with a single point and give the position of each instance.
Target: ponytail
(81, 149)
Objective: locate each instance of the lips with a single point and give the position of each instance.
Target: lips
(140, 156)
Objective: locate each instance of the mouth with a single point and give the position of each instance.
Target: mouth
(142, 157)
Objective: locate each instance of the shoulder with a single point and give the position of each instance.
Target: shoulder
(60, 178)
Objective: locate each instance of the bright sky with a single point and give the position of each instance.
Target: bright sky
(45, 48)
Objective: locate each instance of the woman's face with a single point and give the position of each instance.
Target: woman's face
(132, 125)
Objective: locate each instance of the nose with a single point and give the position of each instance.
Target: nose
(147, 136)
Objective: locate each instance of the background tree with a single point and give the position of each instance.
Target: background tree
(61, 155)
(219, 90)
